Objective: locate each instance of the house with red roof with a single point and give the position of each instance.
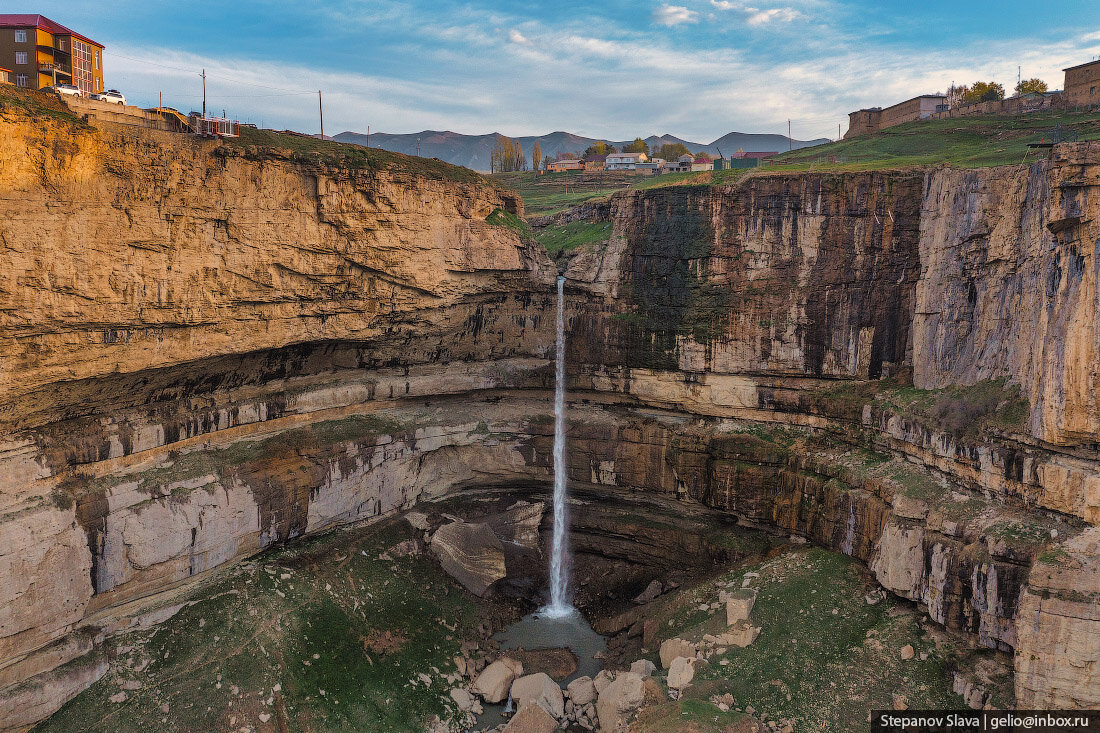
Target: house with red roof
(41, 52)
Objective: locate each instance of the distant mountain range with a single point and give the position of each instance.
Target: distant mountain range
(473, 151)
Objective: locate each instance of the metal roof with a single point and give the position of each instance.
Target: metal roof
(32, 20)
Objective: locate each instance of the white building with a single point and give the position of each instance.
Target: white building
(624, 161)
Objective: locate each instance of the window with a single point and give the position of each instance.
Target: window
(20, 57)
(20, 36)
(20, 80)
(62, 44)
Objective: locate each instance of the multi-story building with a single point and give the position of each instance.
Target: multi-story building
(1082, 85)
(42, 52)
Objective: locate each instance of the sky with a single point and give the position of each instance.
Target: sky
(616, 70)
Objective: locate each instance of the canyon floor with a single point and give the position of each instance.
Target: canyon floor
(360, 629)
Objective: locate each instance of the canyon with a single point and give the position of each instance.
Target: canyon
(211, 348)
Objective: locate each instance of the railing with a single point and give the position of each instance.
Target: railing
(212, 126)
(63, 68)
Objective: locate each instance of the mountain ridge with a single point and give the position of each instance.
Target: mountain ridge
(473, 151)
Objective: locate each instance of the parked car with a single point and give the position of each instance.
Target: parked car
(67, 90)
(111, 95)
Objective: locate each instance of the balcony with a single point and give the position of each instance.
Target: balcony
(59, 68)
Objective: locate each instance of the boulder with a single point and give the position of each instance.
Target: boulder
(644, 667)
(907, 652)
(540, 690)
(531, 719)
(740, 634)
(581, 691)
(651, 591)
(471, 554)
(681, 672)
(619, 700)
(602, 680)
(673, 648)
(739, 605)
(495, 680)
(465, 700)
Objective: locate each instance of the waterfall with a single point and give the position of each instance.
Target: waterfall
(559, 558)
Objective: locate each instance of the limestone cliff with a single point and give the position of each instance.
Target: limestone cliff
(211, 347)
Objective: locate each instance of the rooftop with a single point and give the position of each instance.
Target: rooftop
(32, 20)
(1081, 66)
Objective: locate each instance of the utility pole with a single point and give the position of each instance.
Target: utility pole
(321, 110)
(161, 98)
(368, 136)
(418, 147)
(790, 143)
(204, 93)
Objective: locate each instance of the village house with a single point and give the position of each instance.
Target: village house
(701, 164)
(653, 166)
(624, 161)
(569, 164)
(595, 162)
(1082, 85)
(873, 119)
(42, 53)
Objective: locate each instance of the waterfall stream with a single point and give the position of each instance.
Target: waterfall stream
(560, 604)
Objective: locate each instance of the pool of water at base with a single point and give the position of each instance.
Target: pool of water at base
(540, 631)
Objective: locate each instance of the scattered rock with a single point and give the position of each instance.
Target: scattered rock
(907, 652)
(681, 672)
(466, 701)
(405, 549)
(471, 554)
(673, 648)
(602, 680)
(558, 663)
(531, 719)
(418, 520)
(900, 702)
(130, 685)
(542, 691)
(264, 717)
(582, 691)
(739, 605)
(618, 700)
(644, 667)
(119, 697)
(495, 681)
(654, 589)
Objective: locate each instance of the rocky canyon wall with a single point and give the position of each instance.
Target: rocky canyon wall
(210, 347)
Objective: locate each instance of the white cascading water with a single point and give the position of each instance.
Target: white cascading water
(559, 558)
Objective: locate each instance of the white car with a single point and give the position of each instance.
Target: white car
(111, 95)
(67, 90)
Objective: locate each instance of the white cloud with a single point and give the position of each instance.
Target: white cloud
(725, 5)
(516, 37)
(761, 17)
(674, 15)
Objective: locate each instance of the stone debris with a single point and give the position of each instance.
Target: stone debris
(540, 690)
(618, 700)
(739, 605)
(644, 667)
(466, 701)
(581, 691)
(495, 680)
(471, 554)
(119, 697)
(654, 589)
(907, 652)
(681, 672)
(531, 719)
(673, 648)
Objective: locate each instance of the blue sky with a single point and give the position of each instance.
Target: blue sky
(693, 68)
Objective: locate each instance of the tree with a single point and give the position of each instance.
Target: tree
(546, 162)
(507, 156)
(598, 148)
(956, 93)
(983, 91)
(536, 155)
(671, 151)
(1027, 86)
(638, 146)
(703, 156)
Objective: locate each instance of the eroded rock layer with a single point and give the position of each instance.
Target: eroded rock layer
(209, 348)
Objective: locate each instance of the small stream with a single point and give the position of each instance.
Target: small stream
(539, 631)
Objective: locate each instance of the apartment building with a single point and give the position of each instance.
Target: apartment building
(42, 52)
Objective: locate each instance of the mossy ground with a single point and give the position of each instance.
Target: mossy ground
(308, 149)
(560, 240)
(965, 142)
(824, 658)
(322, 636)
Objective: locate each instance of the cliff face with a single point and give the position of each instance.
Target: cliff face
(211, 348)
(170, 308)
(748, 302)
